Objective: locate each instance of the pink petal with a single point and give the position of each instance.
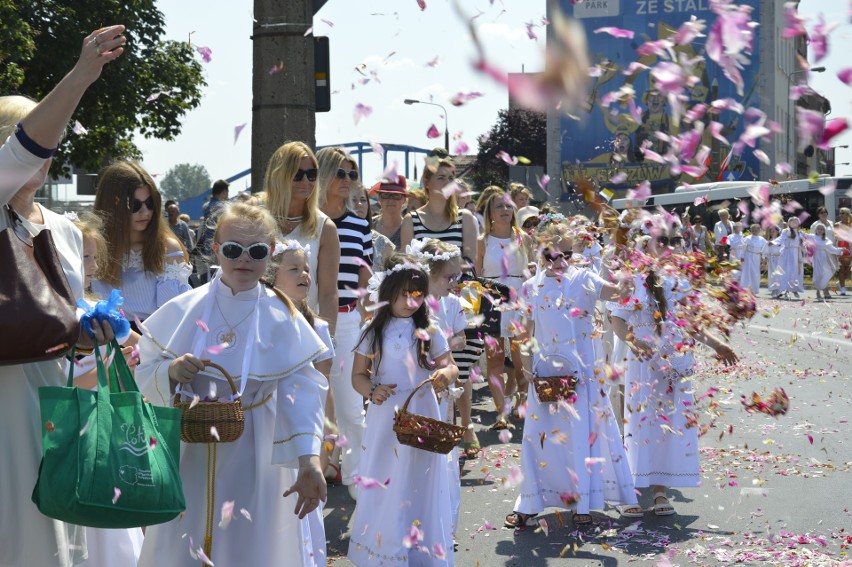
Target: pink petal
(543, 181)
(511, 160)
(845, 75)
(78, 129)
(616, 32)
(203, 326)
(505, 436)
(461, 148)
(460, 98)
(530, 32)
(431, 133)
(116, 495)
(422, 4)
(378, 149)
(593, 436)
(227, 514)
(205, 52)
(327, 22)
(361, 111)
(832, 129)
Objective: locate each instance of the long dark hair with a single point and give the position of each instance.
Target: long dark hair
(408, 279)
(655, 288)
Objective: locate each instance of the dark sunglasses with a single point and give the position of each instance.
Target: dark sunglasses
(531, 223)
(342, 173)
(136, 205)
(391, 196)
(674, 240)
(553, 257)
(233, 250)
(301, 173)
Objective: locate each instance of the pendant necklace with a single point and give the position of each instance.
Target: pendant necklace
(232, 329)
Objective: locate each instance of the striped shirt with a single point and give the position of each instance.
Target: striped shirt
(356, 247)
(452, 234)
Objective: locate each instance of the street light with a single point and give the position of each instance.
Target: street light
(411, 101)
(789, 117)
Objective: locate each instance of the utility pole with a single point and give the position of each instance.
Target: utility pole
(283, 106)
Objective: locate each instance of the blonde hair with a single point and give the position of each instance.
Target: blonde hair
(516, 189)
(249, 217)
(330, 160)
(434, 246)
(13, 109)
(419, 194)
(493, 194)
(278, 185)
(451, 208)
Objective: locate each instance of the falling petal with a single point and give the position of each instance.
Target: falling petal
(845, 75)
(78, 129)
(116, 495)
(432, 132)
(203, 326)
(461, 148)
(217, 349)
(542, 523)
(616, 32)
(361, 111)
(237, 130)
(378, 149)
(329, 23)
(507, 158)
(276, 68)
(214, 432)
(205, 52)
(227, 514)
(421, 4)
(245, 514)
(195, 399)
(505, 436)
(203, 557)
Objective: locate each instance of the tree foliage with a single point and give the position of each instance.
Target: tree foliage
(40, 42)
(518, 132)
(184, 181)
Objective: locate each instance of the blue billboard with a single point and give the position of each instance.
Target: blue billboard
(601, 143)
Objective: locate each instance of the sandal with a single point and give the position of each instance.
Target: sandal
(501, 424)
(633, 511)
(582, 519)
(472, 449)
(662, 508)
(517, 520)
(520, 401)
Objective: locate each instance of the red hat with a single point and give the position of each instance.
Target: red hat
(385, 186)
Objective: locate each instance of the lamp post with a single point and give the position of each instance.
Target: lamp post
(789, 88)
(411, 101)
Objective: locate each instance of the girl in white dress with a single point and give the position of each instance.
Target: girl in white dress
(578, 439)
(502, 255)
(445, 266)
(145, 260)
(753, 250)
(660, 433)
(772, 253)
(235, 512)
(792, 264)
(403, 515)
(737, 242)
(825, 259)
(106, 546)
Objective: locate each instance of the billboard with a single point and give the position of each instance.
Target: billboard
(600, 143)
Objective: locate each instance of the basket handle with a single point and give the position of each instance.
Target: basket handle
(411, 395)
(224, 373)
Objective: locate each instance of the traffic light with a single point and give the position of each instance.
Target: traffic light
(322, 78)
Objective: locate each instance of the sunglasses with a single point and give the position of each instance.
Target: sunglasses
(233, 250)
(674, 240)
(342, 173)
(391, 196)
(528, 224)
(310, 173)
(136, 205)
(553, 257)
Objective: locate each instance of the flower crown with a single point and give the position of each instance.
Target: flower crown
(550, 217)
(290, 245)
(416, 249)
(378, 277)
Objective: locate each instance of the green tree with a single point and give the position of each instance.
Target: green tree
(39, 43)
(184, 181)
(519, 133)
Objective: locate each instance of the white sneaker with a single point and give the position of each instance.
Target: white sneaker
(353, 492)
(842, 291)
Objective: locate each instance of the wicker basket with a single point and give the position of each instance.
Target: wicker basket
(555, 388)
(423, 432)
(226, 417)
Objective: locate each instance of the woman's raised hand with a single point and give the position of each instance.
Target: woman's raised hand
(99, 48)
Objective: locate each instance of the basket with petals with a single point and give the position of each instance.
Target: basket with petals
(555, 388)
(198, 419)
(423, 432)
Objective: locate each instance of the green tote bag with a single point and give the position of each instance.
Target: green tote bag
(110, 458)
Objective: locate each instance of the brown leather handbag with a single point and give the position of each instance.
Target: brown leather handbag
(38, 319)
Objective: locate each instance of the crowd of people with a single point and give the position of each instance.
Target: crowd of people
(330, 317)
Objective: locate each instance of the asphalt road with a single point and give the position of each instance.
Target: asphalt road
(774, 490)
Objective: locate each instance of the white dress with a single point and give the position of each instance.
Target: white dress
(661, 442)
(562, 436)
(754, 247)
(417, 481)
(792, 263)
(282, 401)
(772, 253)
(737, 243)
(27, 538)
(505, 260)
(302, 237)
(825, 260)
(450, 320)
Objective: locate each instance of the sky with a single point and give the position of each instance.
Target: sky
(397, 40)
